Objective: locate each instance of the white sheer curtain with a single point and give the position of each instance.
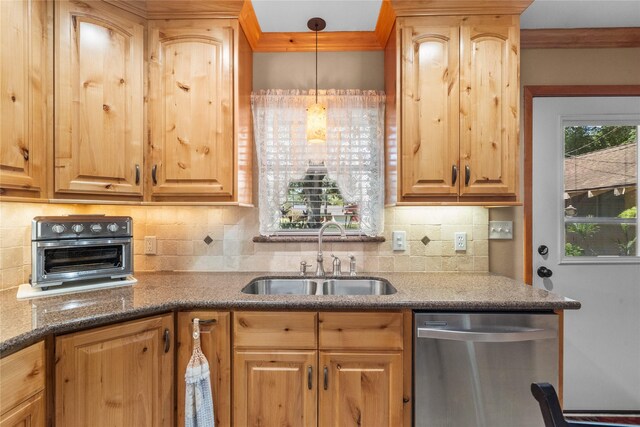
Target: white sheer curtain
(353, 154)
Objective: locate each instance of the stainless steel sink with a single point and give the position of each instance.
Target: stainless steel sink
(357, 287)
(281, 287)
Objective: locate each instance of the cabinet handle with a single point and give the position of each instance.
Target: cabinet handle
(167, 340)
(207, 322)
(154, 174)
(137, 174)
(467, 175)
(309, 377)
(454, 174)
(326, 378)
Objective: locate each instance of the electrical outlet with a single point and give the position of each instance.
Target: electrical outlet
(150, 245)
(460, 241)
(399, 240)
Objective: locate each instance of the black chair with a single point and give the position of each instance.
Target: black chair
(546, 396)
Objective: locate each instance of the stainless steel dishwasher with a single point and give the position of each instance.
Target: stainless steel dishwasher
(476, 369)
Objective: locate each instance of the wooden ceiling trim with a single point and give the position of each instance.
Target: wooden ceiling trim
(386, 19)
(459, 7)
(556, 38)
(137, 7)
(249, 22)
(327, 42)
(181, 9)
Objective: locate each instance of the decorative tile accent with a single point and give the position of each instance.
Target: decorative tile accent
(425, 240)
(208, 240)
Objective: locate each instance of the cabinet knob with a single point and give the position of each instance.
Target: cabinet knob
(543, 250)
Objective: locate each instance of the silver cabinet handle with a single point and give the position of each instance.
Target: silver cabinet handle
(497, 335)
(310, 377)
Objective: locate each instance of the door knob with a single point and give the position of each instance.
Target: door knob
(544, 272)
(543, 250)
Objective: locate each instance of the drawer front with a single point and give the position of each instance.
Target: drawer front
(21, 375)
(373, 331)
(274, 330)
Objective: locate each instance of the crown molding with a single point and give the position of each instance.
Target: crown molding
(560, 38)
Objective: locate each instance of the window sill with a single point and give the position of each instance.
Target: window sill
(310, 238)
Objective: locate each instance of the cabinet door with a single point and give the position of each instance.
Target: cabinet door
(489, 83)
(99, 99)
(275, 388)
(191, 107)
(215, 341)
(24, 86)
(361, 389)
(430, 109)
(28, 414)
(117, 375)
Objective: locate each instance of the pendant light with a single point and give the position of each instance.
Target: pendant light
(316, 113)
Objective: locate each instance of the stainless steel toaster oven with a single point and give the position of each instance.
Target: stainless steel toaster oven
(76, 248)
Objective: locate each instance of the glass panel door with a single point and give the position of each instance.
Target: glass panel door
(600, 191)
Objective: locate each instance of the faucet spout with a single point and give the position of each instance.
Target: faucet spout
(333, 223)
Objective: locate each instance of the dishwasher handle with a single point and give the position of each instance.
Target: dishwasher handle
(487, 335)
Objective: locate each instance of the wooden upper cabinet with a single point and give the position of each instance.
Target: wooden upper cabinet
(24, 88)
(116, 375)
(459, 79)
(215, 341)
(489, 105)
(430, 57)
(99, 100)
(361, 389)
(191, 108)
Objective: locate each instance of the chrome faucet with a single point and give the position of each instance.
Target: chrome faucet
(320, 268)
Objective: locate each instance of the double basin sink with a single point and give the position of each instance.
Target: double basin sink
(319, 286)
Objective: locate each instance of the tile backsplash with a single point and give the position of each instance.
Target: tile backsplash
(181, 232)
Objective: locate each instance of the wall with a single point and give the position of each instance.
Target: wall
(180, 232)
(336, 70)
(558, 67)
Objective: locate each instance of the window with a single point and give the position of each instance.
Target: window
(601, 190)
(302, 185)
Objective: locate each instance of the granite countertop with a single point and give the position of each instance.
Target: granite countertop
(25, 322)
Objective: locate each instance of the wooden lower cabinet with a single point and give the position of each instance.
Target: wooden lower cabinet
(215, 341)
(22, 383)
(119, 375)
(361, 389)
(28, 414)
(275, 388)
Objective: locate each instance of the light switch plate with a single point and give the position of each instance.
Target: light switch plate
(399, 240)
(501, 230)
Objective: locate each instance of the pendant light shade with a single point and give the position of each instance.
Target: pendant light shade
(316, 124)
(316, 113)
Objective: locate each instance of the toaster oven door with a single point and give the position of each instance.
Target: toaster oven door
(57, 262)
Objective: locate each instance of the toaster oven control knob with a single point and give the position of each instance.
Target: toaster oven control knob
(77, 228)
(58, 228)
(96, 228)
(113, 227)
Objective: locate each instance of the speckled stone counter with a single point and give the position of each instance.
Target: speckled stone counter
(25, 322)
